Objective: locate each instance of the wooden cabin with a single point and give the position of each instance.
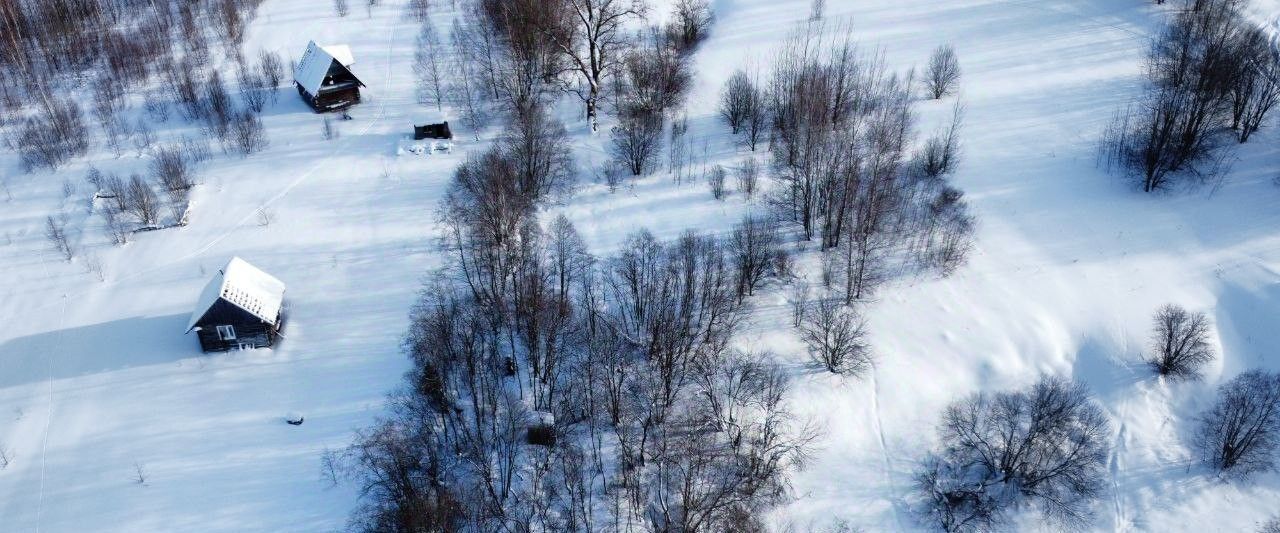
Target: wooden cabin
(324, 77)
(241, 308)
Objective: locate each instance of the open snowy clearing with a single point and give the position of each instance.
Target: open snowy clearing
(97, 380)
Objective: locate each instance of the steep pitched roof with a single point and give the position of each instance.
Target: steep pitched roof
(316, 61)
(245, 286)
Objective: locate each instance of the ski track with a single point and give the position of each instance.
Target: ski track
(884, 448)
(48, 418)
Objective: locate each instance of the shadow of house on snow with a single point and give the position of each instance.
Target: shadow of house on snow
(105, 347)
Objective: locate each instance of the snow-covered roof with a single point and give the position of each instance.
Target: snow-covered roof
(316, 61)
(244, 286)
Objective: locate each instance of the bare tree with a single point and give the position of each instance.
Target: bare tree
(1192, 67)
(1045, 446)
(142, 202)
(429, 67)
(590, 34)
(636, 141)
(748, 177)
(752, 247)
(835, 336)
(743, 106)
(735, 99)
(271, 71)
(1180, 343)
(691, 21)
(715, 182)
(656, 79)
(468, 85)
(943, 72)
(539, 147)
(56, 232)
(341, 8)
(420, 9)
(252, 91)
(1272, 526)
(247, 134)
(172, 169)
(1239, 435)
(1256, 88)
(941, 153)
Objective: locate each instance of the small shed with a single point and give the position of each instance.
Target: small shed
(240, 308)
(432, 131)
(324, 77)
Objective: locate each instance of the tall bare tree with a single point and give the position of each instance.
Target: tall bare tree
(591, 35)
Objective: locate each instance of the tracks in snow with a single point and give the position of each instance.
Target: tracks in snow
(884, 448)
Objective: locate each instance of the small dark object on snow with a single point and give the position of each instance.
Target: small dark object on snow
(294, 421)
(347, 116)
(543, 431)
(432, 131)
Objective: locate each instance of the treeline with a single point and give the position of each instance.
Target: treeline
(108, 53)
(1212, 76)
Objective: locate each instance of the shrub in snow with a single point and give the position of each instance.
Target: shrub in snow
(1239, 435)
(715, 182)
(1045, 446)
(1179, 343)
(835, 336)
(637, 141)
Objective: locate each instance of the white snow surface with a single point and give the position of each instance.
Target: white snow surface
(97, 379)
(244, 285)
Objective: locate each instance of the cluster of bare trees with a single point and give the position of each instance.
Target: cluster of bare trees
(133, 204)
(1045, 447)
(118, 47)
(1210, 69)
(653, 81)
(841, 130)
(554, 390)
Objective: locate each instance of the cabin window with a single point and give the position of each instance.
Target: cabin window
(226, 333)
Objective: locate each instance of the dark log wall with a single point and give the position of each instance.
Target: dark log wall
(249, 329)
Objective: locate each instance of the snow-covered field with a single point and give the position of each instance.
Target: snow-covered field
(98, 381)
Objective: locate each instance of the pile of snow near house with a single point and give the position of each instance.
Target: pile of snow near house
(113, 419)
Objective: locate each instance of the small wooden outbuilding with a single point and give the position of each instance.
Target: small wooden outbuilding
(241, 308)
(324, 77)
(432, 131)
